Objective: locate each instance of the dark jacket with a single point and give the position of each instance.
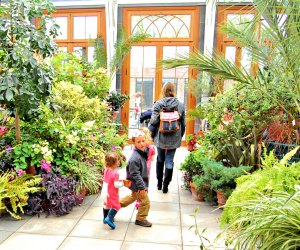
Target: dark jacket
(136, 170)
(168, 140)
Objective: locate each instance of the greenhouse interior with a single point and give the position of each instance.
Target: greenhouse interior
(154, 124)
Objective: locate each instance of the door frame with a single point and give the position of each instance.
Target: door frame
(192, 42)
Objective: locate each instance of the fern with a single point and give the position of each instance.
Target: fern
(14, 192)
(278, 177)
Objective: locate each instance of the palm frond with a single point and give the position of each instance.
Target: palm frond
(218, 66)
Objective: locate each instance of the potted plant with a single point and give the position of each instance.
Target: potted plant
(116, 100)
(191, 140)
(192, 165)
(221, 178)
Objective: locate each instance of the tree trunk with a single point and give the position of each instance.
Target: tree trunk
(17, 124)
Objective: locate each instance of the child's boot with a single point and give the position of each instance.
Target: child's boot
(110, 218)
(105, 213)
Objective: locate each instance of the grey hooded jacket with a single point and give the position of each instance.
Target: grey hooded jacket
(136, 170)
(168, 140)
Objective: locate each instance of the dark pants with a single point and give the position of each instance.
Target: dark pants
(165, 162)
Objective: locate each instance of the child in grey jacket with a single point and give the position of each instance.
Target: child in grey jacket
(136, 172)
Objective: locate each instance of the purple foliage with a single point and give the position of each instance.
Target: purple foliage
(58, 199)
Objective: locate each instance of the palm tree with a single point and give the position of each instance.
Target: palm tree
(275, 50)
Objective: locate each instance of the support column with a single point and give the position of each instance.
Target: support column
(111, 15)
(210, 23)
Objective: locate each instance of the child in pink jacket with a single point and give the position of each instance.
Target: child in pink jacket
(111, 185)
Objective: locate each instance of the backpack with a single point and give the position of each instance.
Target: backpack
(169, 121)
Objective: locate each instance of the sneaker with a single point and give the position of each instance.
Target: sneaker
(143, 223)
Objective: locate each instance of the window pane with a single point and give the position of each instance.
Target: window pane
(63, 27)
(81, 52)
(246, 60)
(91, 27)
(85, 27)
(63, 49)
(91, 52)
(230, 53)
(79, 27)
(239, 20)
(142, 82)
(178, 75)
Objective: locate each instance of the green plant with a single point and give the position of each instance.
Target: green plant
(257, 96)
(30, 153)
(266, 222)
(93, 79)
(192, 165)
(116, 100)
(25, 77)
(71, 102)
(283, 53)
(219, 177)
(122, 48)
(14, 191)
(274, 176)
(87, 177)
(204, 241)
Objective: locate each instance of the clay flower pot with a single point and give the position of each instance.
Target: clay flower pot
(221, 199)
(195, 194)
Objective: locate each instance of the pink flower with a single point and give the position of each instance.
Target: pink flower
(20, 172)
(113, 147)
(46, 166)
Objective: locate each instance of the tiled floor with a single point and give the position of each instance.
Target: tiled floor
(83, 227)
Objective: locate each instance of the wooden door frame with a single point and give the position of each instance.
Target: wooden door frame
(192, 42)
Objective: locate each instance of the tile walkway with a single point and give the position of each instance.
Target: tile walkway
(83, 227)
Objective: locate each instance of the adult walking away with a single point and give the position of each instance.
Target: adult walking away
(167, 143)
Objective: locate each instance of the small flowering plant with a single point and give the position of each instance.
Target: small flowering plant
(191, 140)
(28, 154)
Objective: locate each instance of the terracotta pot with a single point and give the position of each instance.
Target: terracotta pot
(122, 132)
(190, 147)
(31, 170)
(221, 199)
(114, 115)
(84, 191)
(196, 196)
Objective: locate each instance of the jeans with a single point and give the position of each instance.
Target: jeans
(166, 157)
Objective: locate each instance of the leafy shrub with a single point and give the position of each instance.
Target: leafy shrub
(58, 198)
(275, 176)
(87, 177)
(266, 222)
(192, 165)
(71, 102)
(219, 177)
(116, 100)
(14, 191)
(70, 68)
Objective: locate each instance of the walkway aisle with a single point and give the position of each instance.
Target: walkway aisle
(83, 227)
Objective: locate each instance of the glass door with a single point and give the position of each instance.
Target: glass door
(171, 31)
(142, 83)
(146, 81)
